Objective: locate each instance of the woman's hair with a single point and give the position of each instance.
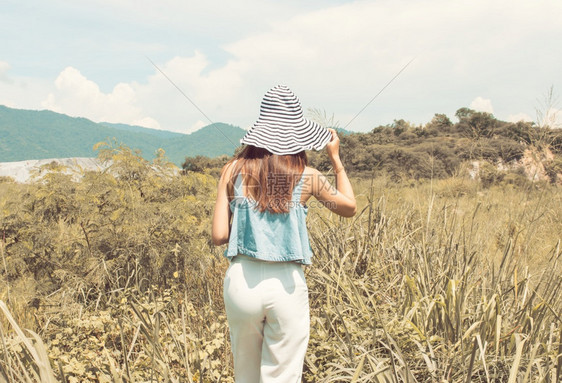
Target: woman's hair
(269, 178)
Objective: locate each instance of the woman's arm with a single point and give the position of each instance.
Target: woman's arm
(220, 231)
(341, 199)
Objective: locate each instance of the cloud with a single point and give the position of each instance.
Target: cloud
(77, 96)
(519, 117)
(335, 57)
(21, 92)
(188, 94)
(338, 58)
(552, 118)
(482, 105)
(198, 125)
(185, 97)
(4, 68)
(147, 122)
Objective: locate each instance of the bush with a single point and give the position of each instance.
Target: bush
(554, 170)
(6, 179)
(89, 235)
(517, 178)
(490, 175)
(411, 289)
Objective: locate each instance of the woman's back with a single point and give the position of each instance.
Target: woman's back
(265, 235)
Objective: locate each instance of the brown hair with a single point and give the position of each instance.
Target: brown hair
(269, 178)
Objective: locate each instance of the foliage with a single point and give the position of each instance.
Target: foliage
(431, 281)
(435, 289)
(204, 164)
(137, 222)
(436, 150)
(554, 170)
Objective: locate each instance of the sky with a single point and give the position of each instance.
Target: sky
(180, 64)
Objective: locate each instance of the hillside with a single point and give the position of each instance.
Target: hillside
(212, 141)
(35, 135)
(478, 145)
(140, 129)
(438, 149)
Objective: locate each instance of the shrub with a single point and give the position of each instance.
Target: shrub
(554, 170)
(490, 175)
(6, 179)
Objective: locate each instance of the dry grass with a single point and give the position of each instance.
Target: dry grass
(434, 283)
(430, 282)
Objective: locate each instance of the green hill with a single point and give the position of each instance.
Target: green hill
(140, 129)
(34, 135)
(211, 141)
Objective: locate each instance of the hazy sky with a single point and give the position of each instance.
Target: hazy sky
(89, 58)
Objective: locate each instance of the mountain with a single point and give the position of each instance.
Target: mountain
(211, 140)
(141, 129)
(35, 135)
(344, 132)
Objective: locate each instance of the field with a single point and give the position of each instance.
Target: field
(113, 278)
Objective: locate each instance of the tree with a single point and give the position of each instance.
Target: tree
(464, 113)
(441, 122)
(477, 125)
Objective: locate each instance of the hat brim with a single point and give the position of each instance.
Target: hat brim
(283, 140)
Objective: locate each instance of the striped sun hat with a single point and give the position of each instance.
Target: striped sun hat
(281, 127)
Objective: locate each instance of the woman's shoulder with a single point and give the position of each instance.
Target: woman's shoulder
(227, 169)
(310, 171)
(312, 177)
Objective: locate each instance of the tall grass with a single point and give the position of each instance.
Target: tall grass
(435, 287)
(432, 282)
(23, 358)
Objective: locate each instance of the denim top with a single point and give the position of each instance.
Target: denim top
(280, 237)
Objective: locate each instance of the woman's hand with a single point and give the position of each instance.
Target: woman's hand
(340, 200)
(333, 147)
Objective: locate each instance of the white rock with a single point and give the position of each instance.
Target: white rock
(22, 171)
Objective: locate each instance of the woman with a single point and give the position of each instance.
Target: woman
(263, 192)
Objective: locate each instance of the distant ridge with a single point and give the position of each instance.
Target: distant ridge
(142, 129)
(34, 135)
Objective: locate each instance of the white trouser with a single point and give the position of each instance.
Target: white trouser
(268, 315)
